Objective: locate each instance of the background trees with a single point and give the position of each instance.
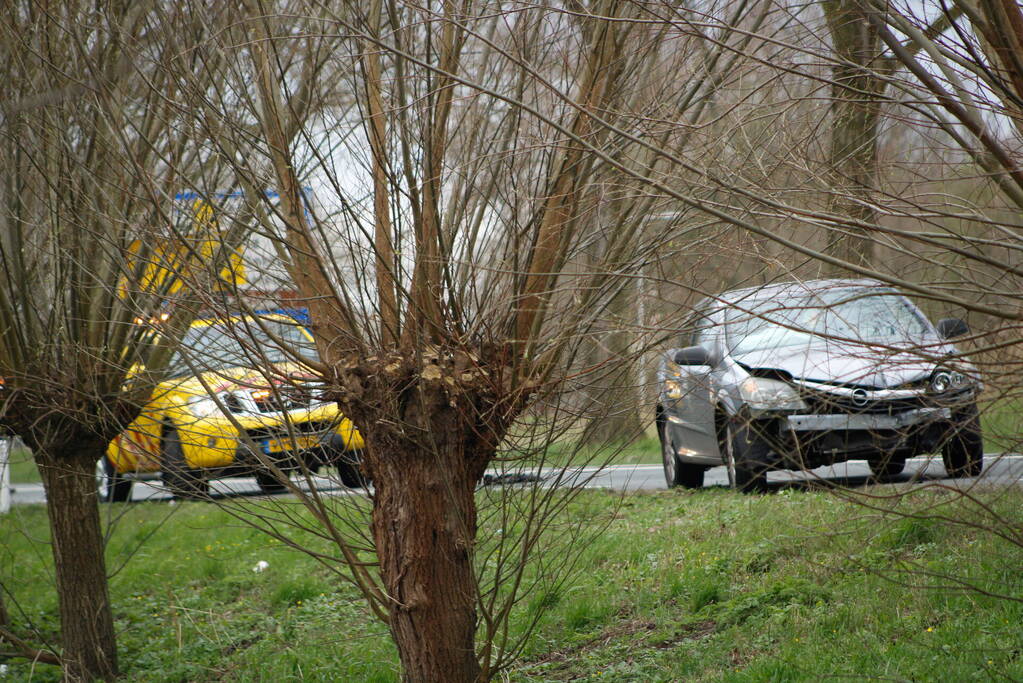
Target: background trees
(93, 247)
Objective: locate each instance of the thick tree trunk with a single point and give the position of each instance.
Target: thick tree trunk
(424, 524)
(613, 395)
(432, 419)
(856, 111)
(87, 624)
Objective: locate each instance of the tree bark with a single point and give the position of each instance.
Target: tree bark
(436, 421)
(613, 396)
(424, 524)
(856, 115)
(87, 623)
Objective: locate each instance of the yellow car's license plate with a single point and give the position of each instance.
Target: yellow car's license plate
(287, 443)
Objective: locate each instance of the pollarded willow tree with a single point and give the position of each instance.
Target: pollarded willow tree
(93, 246)
(453, 261)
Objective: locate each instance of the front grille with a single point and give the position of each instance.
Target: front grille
(820, 403)
(297, 429)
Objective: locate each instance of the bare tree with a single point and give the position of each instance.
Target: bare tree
(93, 247)
(452, 263)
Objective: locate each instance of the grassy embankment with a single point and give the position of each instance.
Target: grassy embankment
(709, 585)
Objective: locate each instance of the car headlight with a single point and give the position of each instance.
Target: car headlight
(760, 393)
(203, 406)
(941, 382)
(672, 389)
(945, 380)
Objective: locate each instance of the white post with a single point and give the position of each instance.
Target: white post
(5, 474)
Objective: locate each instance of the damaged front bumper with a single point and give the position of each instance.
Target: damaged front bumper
(870, 422)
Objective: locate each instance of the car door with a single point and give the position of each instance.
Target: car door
(688, 398)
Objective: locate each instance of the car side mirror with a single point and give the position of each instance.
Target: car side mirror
(950, 328)
(692, 355)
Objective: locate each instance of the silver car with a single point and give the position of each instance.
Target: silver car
(804, 374)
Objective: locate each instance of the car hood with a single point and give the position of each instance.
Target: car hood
(849, 363)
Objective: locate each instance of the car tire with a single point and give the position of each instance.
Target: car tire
(111, 485)
(268, 482)
(349, 471)
(676, 472)
(745, 458)
(887, 465)
(963, 448)
(181, 480)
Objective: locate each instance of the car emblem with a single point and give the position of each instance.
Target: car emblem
(859, 397)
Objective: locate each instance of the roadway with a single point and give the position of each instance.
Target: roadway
(999, 470)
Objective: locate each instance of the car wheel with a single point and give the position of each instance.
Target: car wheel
(745, 458)
(676, 472)
(181, 480)
(349, 471)
(268, 482)
(112, 486)
(963, 450)
(887, 465)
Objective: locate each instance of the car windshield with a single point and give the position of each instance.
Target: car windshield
(790, 319)
(243, 343)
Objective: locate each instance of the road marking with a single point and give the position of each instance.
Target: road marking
(647, 466)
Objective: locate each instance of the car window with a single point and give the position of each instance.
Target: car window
(859, 314)
(243, 343)
(699, 329)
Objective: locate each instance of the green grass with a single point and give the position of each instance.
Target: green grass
(1002, 424)
(702, 586)
(23, 467)
(645, 450)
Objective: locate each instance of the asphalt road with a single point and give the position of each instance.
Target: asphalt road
(999, 470)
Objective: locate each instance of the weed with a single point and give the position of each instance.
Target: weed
(706, 591)
(910, 533)
(295, 592)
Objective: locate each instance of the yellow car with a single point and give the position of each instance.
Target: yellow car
(217, 412)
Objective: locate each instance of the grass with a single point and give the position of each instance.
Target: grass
(645, 450)
(703, 586)
(1002, 424)
(23, 467)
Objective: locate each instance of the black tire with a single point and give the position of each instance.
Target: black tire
(349, 471)
(963, 449)
(677, 472)
(181, 480)
(887, 465)
(745, 457)
(112, 486)
(268, 483)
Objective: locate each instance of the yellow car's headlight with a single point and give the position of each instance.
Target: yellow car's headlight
(203, 406)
